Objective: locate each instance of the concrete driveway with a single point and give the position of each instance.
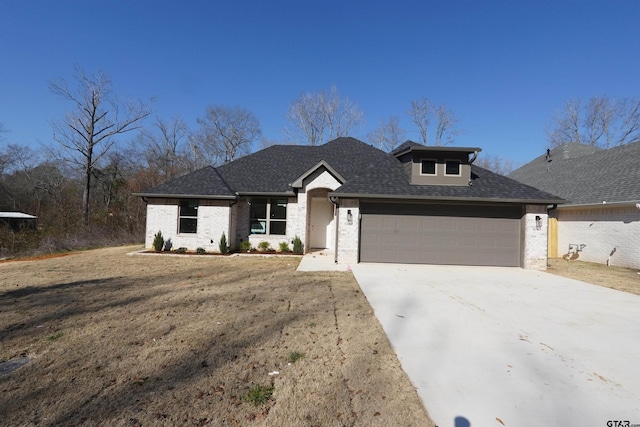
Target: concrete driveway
(493, 346)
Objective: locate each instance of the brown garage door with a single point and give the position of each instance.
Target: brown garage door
(441, 239)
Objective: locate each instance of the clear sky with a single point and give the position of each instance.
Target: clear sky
(502, 66)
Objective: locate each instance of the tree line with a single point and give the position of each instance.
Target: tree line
(106, 148)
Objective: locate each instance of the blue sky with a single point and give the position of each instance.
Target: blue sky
(502, 66)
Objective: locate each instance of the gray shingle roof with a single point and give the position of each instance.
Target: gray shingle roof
(368, 172)
(394, 181)
(201, 183)
(583, 174)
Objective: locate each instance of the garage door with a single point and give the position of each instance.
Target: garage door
(451, 236)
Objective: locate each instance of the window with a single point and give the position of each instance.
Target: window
(188, 216)
(452, 167)
(428, 167)
(268, 216)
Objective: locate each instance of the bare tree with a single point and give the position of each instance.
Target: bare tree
(497, 164)
(90, 130)
(446, 130)
(322, 116)
(227, 133)
(388, 135)
(423, 113)
(602, 121)
(165, 147)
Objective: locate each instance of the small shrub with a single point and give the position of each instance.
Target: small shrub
(158, 241)
(168, 244)
(264, 246)
(200, 251)
(245, 246)
(181, 250)
(297, 245)
(284, 247)
(294, 356)
(258, 394)
(222, 245)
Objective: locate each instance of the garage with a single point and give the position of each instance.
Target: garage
(441, 234)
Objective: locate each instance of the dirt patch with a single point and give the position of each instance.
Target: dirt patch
(620, 278)
(141, 340)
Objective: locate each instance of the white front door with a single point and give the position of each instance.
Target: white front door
(320, 222)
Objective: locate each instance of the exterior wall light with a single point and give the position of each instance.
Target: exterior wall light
(538, 222)
(349, 216)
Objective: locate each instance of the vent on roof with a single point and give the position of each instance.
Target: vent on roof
(548, 157)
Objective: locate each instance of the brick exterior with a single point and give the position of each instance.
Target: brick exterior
(534, 240)
(611, 233)
(213, 219)
(348, 233)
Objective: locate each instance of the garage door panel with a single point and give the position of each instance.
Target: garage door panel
(440, 240)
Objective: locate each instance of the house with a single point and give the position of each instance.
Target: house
(17, 221)
(601, 221)
(417, 204)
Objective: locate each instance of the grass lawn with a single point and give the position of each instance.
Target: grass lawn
(114, 339)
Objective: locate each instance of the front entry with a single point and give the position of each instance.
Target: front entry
(320, 217)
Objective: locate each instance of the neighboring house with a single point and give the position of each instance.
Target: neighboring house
(602, 218)
(18, 221)
(417, 204)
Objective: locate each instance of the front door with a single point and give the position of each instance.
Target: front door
(319, 222)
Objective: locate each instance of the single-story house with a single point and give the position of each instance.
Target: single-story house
(18, 221)
(417, 204)
(601, 221)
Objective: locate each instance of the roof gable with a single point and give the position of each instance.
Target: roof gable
(298, 183)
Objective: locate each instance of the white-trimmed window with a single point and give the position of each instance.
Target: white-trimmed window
(427, 167)
(268, 216)
(188, 216)
(452, 167)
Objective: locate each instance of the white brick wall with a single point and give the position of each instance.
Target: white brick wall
(213, 219)
(534, 245)
(348, 233)
(609, 233)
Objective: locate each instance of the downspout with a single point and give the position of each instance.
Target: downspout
(231, 204)
(334, 200)
(475, 156)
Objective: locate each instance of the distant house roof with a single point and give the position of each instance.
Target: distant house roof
(17, 215)
(584, 174)
(365, 171)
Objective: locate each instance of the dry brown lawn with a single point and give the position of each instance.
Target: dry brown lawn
(160, 340)
(620, 278)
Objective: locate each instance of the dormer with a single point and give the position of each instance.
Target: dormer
(437, 165)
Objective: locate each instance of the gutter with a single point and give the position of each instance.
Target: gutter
(628, 203)
(444, 199)
(266, 193)
(182, 196)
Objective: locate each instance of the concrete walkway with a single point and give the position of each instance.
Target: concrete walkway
(321, 260)
(491, 346)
